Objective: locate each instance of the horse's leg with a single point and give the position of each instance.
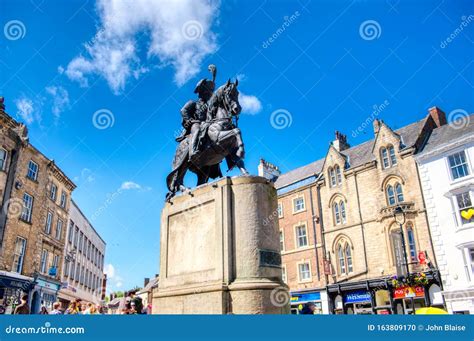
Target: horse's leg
(240, 164)
(240, 144)
(180, 177)
(203, 176)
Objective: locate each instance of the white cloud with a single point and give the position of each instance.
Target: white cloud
(60, 99)
(250, 104)
(25, 110)
(178, 32)
(109, 271)
(86, 176)
(130, 185)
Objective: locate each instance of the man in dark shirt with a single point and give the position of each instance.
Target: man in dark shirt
(23, 308)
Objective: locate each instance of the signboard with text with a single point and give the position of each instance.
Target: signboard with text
(408, 292)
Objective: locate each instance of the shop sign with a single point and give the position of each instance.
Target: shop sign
(13, 283)
(422, 257)
(48, 285)
(408, 292)
(305, 297)
(327, 267)
(357, 297)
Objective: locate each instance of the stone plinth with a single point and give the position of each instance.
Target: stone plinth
(220, 251)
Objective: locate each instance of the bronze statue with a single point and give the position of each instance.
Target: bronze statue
(209, 136)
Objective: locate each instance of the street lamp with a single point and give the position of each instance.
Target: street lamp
(399, 215)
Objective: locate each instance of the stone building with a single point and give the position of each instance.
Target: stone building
(300, 235)
(446, 167)
(35, 198)
(349, 200)
(84, 253)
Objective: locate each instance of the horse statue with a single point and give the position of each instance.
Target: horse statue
(221, 138)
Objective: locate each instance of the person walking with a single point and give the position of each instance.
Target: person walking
(56, 310)
(72, 309)
(43, 311)
(23, 308)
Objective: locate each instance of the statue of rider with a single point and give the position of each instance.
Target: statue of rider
(194, 113)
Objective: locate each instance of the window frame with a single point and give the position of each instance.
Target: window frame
(3, 161)
(63, 201)
(44, 261)
(27, 212)
(49, 222)
(19, 258)
(466, 163)
(298, 237)
(34, 173)
(342, 210)
(411, 242)
(332, 177)
(298, 265)
(336, 213)
(303, 208)
(280, 210)
(282, 241)
(53, 193)
(59, 229)
(338, 172)
(459, 218)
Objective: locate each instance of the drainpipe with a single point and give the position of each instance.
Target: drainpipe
(314, 231)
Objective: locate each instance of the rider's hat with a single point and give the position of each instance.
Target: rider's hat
(204, 84)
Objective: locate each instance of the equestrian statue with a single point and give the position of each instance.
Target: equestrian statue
(210, 134)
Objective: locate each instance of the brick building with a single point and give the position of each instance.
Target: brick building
(346, 203)
(35, 197)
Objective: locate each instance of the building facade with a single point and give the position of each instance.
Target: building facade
(83, 276)
(447, 175)
(368, 263)
(35, 196)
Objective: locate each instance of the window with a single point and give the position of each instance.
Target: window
(385, 161)
(283, 274)
(3, 159)
(338, 175)
(18, 257)
(471, 256)
(66, 267)
(411, 243)
(332, 177)
(282, 241)
(280, 210)
(76, 237)
(27, 207)
(71, 270)
(348, 258)
(395, 194)
(44, 261)
(81, 237)
(71, 231)
(465, 205)
(337, 214)
(393, 158)
(78, 272)
(458, 165)
(32, 170)
(344, 257)
(53, 192)
(63, 199)
(301, 238)
(59, 229)
(342, 206)
(304, 272)
(55, 261)
(298, 204)
(49, 221)
(342, 261)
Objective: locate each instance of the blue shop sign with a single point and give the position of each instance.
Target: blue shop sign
(305, 297)
(357, 297)
(10, 282)
(49, 285)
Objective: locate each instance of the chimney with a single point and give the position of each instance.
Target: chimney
(340, 143)
(438, 116)
(268, 170)
(377, 123)
(147, 280)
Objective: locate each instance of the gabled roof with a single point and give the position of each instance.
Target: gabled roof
(356, 156)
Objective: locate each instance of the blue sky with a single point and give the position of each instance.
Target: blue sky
(307, 68)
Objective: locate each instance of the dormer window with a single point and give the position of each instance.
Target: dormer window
(388, 157)
(332, 177)
(338, 175)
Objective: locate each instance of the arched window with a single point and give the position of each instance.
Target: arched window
(332, 177)
(342, 261)
(338, 175)
(390, 195)
(399, 190)
(337, 214)
(348, 258)
(411, 242)
(393, 158)
(342, 208)
(385, 161)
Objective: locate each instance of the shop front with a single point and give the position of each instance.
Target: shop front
(12, 287)
(408, 299)
(358, 302)
(299, 299)
(44, 294)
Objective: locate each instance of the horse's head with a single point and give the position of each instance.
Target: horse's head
(230, 97)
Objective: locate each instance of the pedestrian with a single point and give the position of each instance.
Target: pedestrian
(43, 311)
(308, 309)
(72, 309)
(83, 308)
(124, 311)
(56, 310)
(22, 308)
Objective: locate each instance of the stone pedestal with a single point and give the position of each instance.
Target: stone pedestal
(220, 251)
